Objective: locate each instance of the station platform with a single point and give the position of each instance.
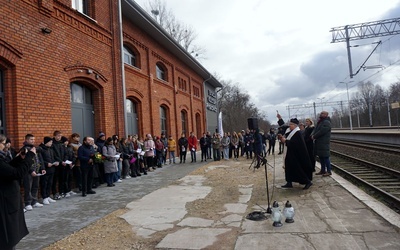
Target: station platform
(332, 214)
(388, 136)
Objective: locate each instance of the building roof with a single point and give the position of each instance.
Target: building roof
(137, 15)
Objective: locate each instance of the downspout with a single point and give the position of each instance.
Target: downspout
(205, 104)
(122, 66)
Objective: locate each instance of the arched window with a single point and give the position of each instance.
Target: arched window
(198, 125)
(163, 120)
(130, 57)
(184, 121)
(130, 107)
(80, 94)
(161, 72)
(132, 117)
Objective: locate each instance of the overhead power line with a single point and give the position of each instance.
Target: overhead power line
(366, 30)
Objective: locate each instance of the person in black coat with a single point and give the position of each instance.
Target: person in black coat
(271, 141)
(12, 219)
(46, 181)
(297, 163)
(309, 141)
(183, 144)
(204, 147)
(86, 154)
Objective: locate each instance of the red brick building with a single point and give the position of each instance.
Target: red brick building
(69, 65)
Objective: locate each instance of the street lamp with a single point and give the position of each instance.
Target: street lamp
(348, 102)
(322, 105)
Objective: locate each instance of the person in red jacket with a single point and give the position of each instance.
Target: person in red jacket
(192, 146)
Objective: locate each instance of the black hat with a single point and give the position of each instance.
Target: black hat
(295, 121)
(46, 139)
(8, 141)
(64, 139)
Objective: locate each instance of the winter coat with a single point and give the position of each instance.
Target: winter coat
(171, 145)
(12, 220)
(216, 143)
(110, 163)
(149, 145)
(322, 137)
(126, 155)
(271, 138)
(297, 163)
(203, 142)
(58, 151)
(85, 153)
(159, 145)
(48, 157)
(75, 146)
(225, 141)
(192, 143)
(248, 140)
(183, 144)
(69, 155)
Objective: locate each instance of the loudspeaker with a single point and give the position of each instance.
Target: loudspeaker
(252, 123)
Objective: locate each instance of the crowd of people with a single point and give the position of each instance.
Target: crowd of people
(62, 166)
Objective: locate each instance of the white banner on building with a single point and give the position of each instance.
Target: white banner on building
(220, 128)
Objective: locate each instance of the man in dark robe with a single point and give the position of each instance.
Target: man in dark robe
(297, 163)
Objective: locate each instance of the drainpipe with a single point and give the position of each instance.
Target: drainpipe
(122, 66)
(205, 103)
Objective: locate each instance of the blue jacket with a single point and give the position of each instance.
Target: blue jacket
(85, 153)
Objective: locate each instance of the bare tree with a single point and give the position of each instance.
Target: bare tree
(236, 108)
(184, 34)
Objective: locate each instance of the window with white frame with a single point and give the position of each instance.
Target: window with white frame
(81, 6)
(129, 57)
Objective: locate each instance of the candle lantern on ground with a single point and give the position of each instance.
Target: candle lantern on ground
(288, 212)
(276, 215)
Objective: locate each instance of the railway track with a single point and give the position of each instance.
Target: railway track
(380, 182)
(382, 147)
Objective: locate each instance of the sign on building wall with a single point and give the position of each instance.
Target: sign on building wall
(211, 102)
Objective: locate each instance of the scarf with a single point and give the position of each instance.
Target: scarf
(292, 133)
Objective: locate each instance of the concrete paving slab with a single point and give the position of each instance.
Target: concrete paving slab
(195, 222)
(210, 168)
(271, 241)
(236, 208)
(232, 220)
(189, 238)
(159, 210)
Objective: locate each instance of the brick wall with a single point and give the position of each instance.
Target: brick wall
(39, 68)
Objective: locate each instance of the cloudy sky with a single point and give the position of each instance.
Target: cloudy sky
(281, 51)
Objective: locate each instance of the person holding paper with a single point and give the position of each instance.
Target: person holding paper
(149, 149)
(159, 145)
(65, 185)
(204, 147)
(110, 164)
(192, 146)
(59, 156)
(32, 179)
(85, 155)
(183, 145)
(46, 180)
